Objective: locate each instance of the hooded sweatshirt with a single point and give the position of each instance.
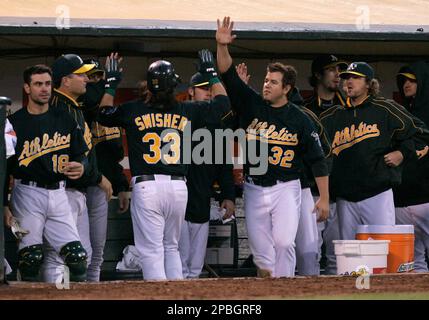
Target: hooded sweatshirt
(414, 188)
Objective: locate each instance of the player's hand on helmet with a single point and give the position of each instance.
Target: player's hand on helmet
(206, 64)
(229, 207)
(242, 72)
(393, 159)
(224, 31)
(322, 209)
(124, 201)
(113, 72)
(106, 186)
(73, 170)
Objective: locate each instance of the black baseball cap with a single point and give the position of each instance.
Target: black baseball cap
(68, 64)
(97, 66)
(407, 73)
(361, 69)
(325, 61)
(198, 80)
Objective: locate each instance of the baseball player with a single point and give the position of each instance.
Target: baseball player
(306, 241)
(200, 180)
(412, 196)
(325, 79)
(273, 200)
(70, 79)
(371, 137)
(155, 133)
(108, 148)
(50, 148)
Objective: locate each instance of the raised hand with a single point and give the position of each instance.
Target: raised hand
(224, 31)
(112, 62)
(206, 64)
(242, 72)
(113, 72)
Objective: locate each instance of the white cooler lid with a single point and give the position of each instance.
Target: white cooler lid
(383, 229)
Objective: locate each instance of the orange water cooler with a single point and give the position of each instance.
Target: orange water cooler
(401, 247)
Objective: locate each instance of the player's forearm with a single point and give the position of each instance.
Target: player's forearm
(107, 100)
(224, 60)
(323, 187)
(218, 89)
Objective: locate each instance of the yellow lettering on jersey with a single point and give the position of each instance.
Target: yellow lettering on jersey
(348, 137)
(88, 138)
(167, 120)
(146, 120)
(101, 133)
(33, 149)
(159, 122)
(176, 118)
(139, 123)
(257, 130)
(182, 124)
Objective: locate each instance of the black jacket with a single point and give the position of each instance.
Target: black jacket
(414, 188)
(200, 181)
(361, 136)
(106, 141)
(91, 176)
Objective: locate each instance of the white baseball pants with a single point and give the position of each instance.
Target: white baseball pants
(377, 210)
(418, 216)
(272, 217)
(97, 213)
(158, 211)
(53, 265)
(329, 231)
(192, 248)
(45, 213)
(307, 240)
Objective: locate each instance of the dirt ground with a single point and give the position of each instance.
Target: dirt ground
(223, 288)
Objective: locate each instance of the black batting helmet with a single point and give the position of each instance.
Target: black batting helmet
(161, 77)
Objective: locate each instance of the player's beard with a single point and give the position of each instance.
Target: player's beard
(39, 102)
(331, 86)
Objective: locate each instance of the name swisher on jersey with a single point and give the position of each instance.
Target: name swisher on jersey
(39, 147)
(161, 120)
(348, 137)
(165, 146)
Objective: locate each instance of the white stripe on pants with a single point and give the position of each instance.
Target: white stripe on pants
(272, 215)
(418, 216)
(158, 211)
(377, 210)
(307, 244)
(192, 247)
